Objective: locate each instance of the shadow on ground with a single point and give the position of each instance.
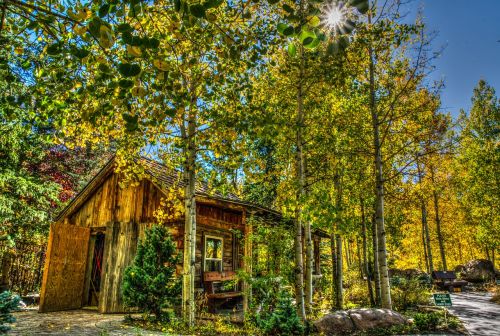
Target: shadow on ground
(73, 322)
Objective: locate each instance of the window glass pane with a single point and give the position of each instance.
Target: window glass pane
(213, 248)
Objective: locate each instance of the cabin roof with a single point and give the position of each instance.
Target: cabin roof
(164, 178)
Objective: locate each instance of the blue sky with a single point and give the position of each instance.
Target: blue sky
(470, 31)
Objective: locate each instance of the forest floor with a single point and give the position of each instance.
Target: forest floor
(74, 322)
(480, 316)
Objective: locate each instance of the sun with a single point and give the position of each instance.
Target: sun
(334, 16)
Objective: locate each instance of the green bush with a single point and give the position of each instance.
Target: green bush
(275, 313)
(150, 283)
(426, 321)
(282, 320)
(8, 303)
(408, 293)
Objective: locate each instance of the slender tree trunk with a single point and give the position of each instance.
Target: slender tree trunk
(424, 244)
(339, 266)
(425, 224)
(333, 251)
(300, 171)
(347, 252)
(365, 255)
(339, 290)
(375, 262)
(362, 273)
(385, 287)
(188, 302)
(427, 235)
(2, 16)
(493, 257)
(442, 250)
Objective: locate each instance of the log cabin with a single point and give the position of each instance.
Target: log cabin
(95, 238)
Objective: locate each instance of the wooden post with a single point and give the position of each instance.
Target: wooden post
(247, 262)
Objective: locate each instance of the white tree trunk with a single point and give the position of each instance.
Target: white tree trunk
(300, 171)
(189, 151)
(385, 288)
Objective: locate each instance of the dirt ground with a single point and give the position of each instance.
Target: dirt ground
(73, 322)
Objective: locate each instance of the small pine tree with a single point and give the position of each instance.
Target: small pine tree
(8, 303)
(283, 319)
(150, 283)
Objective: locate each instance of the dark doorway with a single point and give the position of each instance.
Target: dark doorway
(96, 271)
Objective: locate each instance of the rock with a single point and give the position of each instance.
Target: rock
(479, 270)
(363, 319)
(409, 273)
(369, 318)
(459, 269)
(334, 324)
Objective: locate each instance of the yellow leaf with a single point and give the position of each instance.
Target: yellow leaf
(134, 51)
(160, 64)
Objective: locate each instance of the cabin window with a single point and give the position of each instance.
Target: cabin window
(213, 254)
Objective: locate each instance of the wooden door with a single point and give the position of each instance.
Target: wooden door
(65, 267)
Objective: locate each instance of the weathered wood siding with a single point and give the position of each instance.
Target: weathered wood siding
(65, 268)
(110, 203)
(219, 222)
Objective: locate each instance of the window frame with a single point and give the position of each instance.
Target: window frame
(205, 258)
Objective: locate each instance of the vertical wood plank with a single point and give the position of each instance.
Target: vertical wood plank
(65, 268)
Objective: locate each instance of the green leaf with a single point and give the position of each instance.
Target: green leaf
(129, 70)
(362, 5)
(343, 42)
(332, 48)
(124, 27)
(94, 27)
(131, 122)
(80, 52)
(315, 42)
(288, 9)
(282, 27)
(104, 10)
(54, 49)
(177, 4)
(304, 34)
(104, 68)
(125, 83)
(151, 43)
(292, 50)
(314, 21)
(289, 31)
(171, 112)
(307, 40)
(212, 4)
(197, 10)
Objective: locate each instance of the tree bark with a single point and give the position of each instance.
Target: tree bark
(375, 262)
(424, 244)
(385, 287)
(189, 151)
(339, 288)
(347, 252)
(425, 224)
(365, 255)
(435, 196)
(333, 251)
(362, 273)
(300, 171)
